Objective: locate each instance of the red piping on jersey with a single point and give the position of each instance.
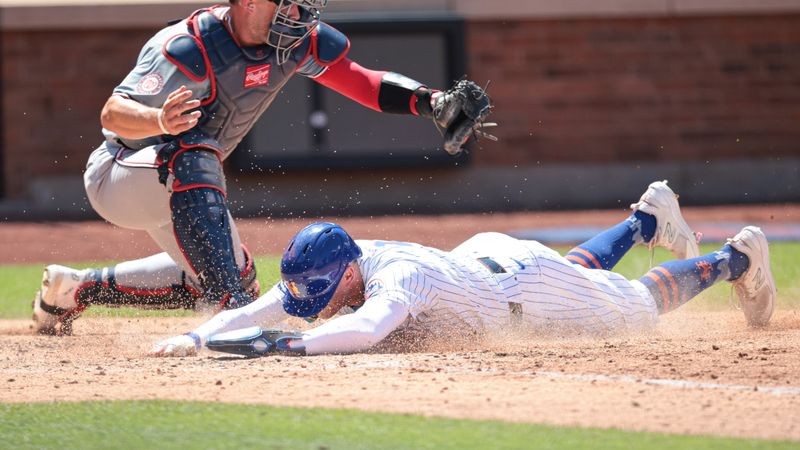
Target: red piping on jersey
(121, 154)
(179, 65)
(248, 261)
(305, 58)
(354, 82)
(226, 23)
(314, 46)
(192, 22)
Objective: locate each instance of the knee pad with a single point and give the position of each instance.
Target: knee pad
(195, 160)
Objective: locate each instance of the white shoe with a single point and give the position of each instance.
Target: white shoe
(55, 303)
(672, 232)
(756, 287)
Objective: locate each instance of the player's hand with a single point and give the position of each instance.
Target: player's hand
(173, 117)
(183, 345)
(460, 112)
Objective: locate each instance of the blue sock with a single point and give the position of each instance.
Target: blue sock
(606, 249)
(676, 282)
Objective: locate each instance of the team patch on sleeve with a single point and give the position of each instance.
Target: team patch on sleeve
(150, 84)
(374, 287)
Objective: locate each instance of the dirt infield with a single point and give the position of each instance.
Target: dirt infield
(697, 372)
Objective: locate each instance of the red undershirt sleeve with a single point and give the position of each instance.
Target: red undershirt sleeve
(354, 82)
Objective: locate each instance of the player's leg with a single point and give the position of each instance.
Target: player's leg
(165, 239)
(155, 281)
(126, 192)
(202, 225)
(744, 261)
(656, 221)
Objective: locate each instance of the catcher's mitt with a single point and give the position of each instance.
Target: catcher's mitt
(460, 112)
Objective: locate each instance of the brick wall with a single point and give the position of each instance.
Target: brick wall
(54, 85)
(641, 89)
(579, 90)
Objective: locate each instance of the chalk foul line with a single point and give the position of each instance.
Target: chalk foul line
(630, 379)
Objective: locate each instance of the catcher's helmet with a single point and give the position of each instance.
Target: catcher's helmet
(313, 265)
(287, 31)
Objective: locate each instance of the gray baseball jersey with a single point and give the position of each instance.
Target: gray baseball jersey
(235, 84)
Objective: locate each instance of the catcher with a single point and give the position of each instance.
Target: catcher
(489, 282)
(198, 87)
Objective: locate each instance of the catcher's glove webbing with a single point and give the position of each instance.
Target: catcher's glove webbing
(460, 112)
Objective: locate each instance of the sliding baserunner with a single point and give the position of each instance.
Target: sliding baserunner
(489, 282)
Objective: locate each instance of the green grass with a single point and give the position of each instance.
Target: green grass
(18, 283)
(165, 425)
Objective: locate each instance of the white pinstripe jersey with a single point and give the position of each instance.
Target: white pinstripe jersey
(456, 289)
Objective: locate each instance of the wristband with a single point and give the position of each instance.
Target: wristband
(160, 119)
(197, 341)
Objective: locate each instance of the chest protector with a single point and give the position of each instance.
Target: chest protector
(244, 80)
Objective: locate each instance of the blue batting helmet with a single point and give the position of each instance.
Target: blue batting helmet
(313, 265)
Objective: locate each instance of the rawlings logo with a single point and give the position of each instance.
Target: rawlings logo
(150, 84)
(256, 76)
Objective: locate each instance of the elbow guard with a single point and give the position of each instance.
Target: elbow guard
(401, 95)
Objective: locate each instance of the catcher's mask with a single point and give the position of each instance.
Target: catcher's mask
(286, 31)
(312, 267)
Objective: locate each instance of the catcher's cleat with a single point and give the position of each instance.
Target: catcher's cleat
(55, 305)
(756, 287)
(672, 231)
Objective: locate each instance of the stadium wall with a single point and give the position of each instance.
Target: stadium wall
(706, 93)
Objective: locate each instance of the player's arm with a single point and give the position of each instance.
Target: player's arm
(161, 93)
(379, 90)
(350, 333)
(133, 120)
(266, 311)
(458, 113)
(357, 332)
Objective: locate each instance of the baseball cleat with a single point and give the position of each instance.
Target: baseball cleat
(672, 231)
(756, 287)
(55, 305)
